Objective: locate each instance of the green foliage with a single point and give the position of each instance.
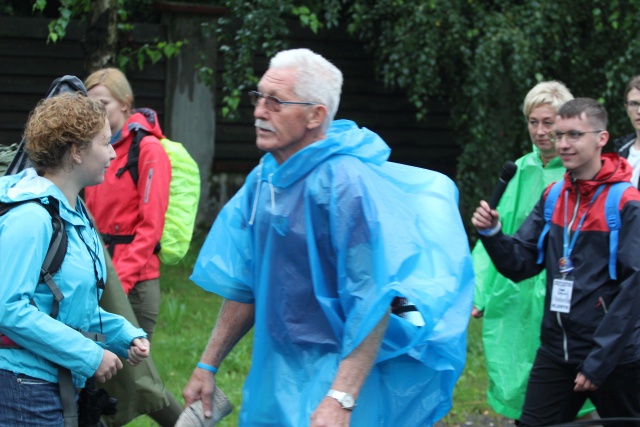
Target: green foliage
(148, 52)
(128, 55)
(68, 9)
(250, 27)
(479, 58)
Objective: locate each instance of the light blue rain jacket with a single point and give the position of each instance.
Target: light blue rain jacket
(322, 244)
(25, 234)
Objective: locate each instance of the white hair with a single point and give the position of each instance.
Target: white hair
(317, 79)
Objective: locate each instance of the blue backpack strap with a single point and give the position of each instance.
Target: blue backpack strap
(549, 207)
(612, 214)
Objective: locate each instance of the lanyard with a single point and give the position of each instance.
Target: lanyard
(568, 247)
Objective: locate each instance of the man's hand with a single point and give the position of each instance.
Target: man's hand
(476, 313)
(109, 365)
(200, 387)
(330, 413)
(139, 350)
(582, 383)
(485, 218)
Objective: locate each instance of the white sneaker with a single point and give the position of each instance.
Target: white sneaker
(193, 416)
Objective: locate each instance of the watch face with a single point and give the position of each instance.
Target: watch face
(347, 401)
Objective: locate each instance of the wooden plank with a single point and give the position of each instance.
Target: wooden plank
(35, 28)
(13, 121)
(15, 65)
(237, 151)
(233, 166)
(25, 84)
(419, 139)
(19, 102)
(39, 48)
(8, 137)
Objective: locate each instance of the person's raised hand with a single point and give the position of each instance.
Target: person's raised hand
(485, 218)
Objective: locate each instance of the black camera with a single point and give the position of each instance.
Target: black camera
(93, 403)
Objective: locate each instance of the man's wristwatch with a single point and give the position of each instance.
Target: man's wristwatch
(345, 399)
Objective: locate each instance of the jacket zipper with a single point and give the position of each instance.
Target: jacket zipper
(565, 344)
(147, 188)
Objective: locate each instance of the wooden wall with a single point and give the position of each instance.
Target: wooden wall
(28, 65)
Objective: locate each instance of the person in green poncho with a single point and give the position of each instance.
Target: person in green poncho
(513, 311)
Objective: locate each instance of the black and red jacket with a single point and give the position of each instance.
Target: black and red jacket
(602, 329)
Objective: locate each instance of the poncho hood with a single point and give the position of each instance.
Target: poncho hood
(343, 137)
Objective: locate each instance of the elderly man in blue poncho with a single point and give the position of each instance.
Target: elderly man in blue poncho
(312, 252)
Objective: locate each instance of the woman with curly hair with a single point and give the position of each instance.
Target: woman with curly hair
(67, 141)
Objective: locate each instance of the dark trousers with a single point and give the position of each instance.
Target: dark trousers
(550, 398)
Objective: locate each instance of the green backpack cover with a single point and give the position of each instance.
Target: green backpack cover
(184, 195)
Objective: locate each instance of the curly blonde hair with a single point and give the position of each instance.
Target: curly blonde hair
(59, 122)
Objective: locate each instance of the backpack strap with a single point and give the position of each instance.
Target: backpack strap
(53, 258)
(549, 207)
(134, 154)
(612, 214)
(55, 254)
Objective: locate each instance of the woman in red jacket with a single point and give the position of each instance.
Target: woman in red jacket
(129, 214)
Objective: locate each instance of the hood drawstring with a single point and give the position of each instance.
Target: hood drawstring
(273, 193)
(272, 190)
(257, 196)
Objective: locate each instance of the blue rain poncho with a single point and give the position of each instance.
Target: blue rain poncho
(322, 244)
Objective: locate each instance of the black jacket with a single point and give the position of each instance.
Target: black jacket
(623, 144)
(602, 328)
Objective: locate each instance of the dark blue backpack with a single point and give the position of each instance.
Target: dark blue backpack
(612, 214)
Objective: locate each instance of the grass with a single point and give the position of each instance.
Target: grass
(188, 313)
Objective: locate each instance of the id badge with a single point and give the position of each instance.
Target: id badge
(561, 294)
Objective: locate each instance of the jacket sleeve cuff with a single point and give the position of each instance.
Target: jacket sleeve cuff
(491, 231)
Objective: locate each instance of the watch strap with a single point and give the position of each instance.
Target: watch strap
(345, 399)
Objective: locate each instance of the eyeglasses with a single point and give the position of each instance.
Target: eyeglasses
(632, 105)
(272, 103)
(572, 135)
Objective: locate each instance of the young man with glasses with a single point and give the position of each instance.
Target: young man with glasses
(628, 146)
(590, 335)
(312, 251)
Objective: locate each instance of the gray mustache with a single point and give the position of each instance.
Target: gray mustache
(264, 125)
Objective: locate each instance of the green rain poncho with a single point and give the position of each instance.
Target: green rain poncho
(513, 311)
